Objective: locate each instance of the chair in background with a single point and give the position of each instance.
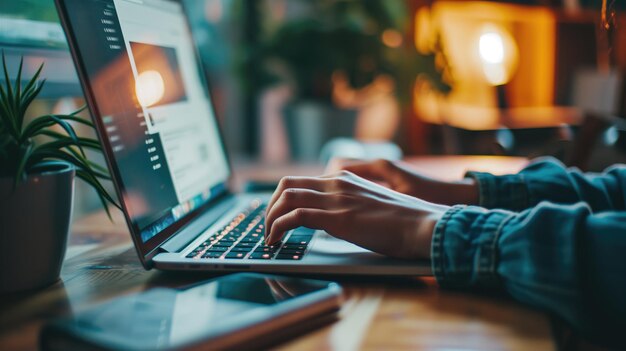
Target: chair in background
(598, 95)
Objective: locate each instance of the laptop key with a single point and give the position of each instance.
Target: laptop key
(241, 249)
(288, 257)
(239, 255)
(212, 254)
(299, 240)
(245, 244)
(293, 247)
(223, 244)
(260, 256)
(292, 252)
(218, 249)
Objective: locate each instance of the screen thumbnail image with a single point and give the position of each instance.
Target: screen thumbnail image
(159, 80)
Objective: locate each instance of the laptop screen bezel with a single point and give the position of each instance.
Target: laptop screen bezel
(146, 250)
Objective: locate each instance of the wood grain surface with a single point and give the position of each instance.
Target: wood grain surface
(376, 315)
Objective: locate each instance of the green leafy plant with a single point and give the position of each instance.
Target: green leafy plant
(21, 155)
(338, 35)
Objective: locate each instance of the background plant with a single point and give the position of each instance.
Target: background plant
(29, 145)
(339, 35)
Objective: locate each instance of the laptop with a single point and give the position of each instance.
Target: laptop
(152, 108)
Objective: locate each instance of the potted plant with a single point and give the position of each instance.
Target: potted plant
(331, 36)
(39, 160)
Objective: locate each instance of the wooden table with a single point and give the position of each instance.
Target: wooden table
(383, 314)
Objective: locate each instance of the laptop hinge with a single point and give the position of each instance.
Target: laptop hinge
(190, 232)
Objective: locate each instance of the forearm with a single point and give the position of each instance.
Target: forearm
(544, 257)
(464, 191)
(548, 180)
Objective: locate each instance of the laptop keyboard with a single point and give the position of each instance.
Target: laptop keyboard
(243, 238)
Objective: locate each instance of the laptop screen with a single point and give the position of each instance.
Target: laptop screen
(155, 117)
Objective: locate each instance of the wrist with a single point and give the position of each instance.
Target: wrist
(467, 192)
(425, 229)
(461, 192)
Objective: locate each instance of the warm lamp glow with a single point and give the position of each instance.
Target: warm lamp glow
(498, 53)
(149, 88)
(527, 36)
(491, 48)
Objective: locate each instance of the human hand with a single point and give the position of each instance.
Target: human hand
(354, 209)
(401, 178)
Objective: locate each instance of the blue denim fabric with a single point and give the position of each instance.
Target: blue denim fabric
(551, 237)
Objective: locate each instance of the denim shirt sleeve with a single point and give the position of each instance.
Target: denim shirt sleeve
(546, 179)
(565, 259)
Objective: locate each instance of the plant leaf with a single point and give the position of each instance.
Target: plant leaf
(98, 171)
(27, 99)
(76, 119)
(81, 166)
(88, 142)
(33, 80)
(68, 129)
(46, 121)
(18, 153)
(6, 78)
(18, 87)
(98, 186)
(21, 168)
(44, 152)
(7, 112)
(94, 184)
(67, 142)
(103, 171)
(80, 109)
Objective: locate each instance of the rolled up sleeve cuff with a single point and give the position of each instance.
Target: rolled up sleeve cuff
(507, 192)
(464, 251)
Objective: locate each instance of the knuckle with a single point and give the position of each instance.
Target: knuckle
(286, 181)
(345, 173)
(343, 199)
(344, 184)
(290, 194)
(299, 214)
(282, 183)
(338, 183)
(277, 224)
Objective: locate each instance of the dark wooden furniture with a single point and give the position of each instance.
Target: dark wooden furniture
(377, 314)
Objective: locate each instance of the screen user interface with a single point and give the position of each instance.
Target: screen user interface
(142, 70)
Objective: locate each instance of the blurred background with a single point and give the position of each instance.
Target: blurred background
(303, 81)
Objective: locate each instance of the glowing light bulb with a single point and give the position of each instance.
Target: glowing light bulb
(498, 54)
(491, 47)
(149, 88)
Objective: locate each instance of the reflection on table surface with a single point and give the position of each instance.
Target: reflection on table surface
(377, 314)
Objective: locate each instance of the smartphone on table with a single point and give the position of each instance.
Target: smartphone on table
(238, 311)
